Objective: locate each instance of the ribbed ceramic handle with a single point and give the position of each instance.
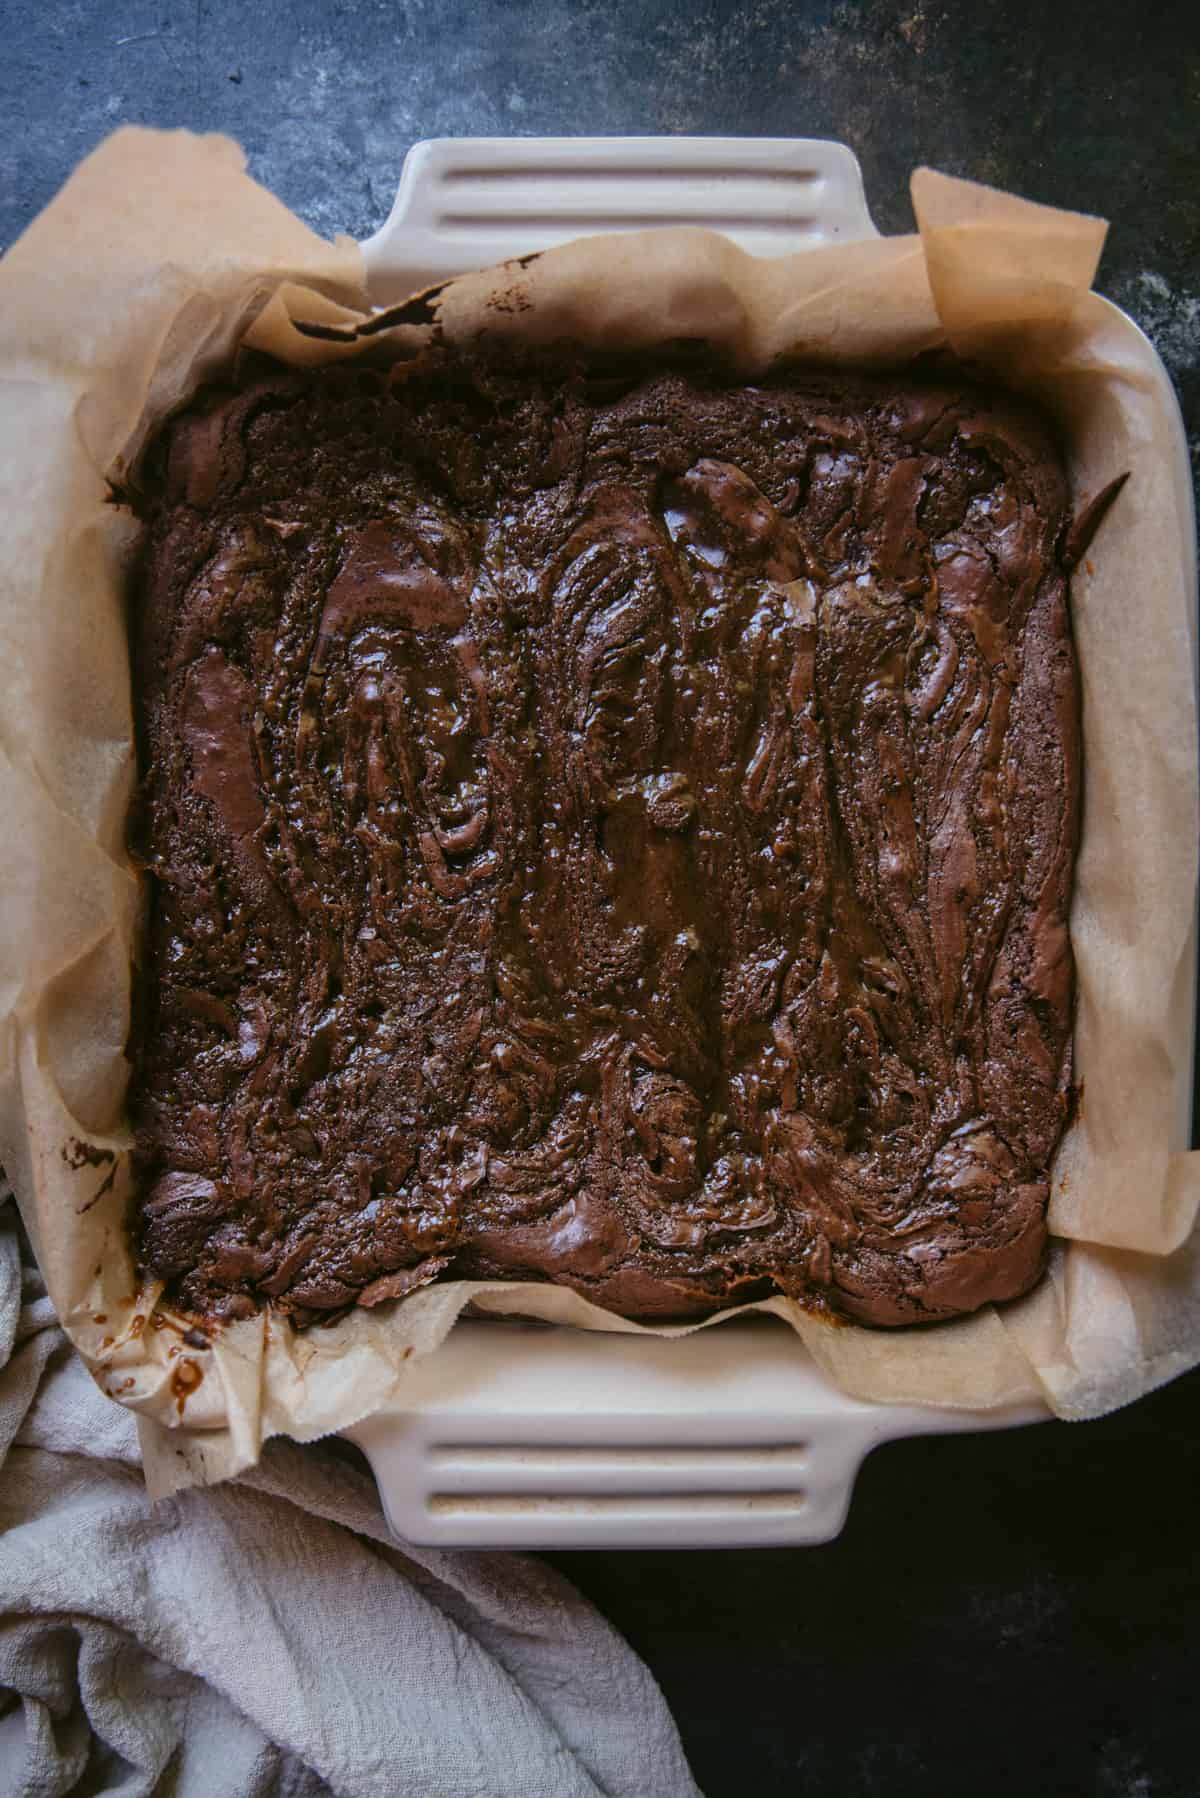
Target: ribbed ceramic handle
(465, 203)
(518, 1436)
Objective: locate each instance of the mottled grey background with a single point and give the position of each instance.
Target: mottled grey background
(1007, 1615)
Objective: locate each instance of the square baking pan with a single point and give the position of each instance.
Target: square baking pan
(534, 1436)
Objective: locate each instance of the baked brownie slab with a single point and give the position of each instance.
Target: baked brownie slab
(613, 831)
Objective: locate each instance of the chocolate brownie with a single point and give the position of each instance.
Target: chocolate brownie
(606, 828)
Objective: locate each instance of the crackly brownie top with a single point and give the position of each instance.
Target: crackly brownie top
(615, 830)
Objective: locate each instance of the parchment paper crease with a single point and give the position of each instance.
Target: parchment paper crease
(156, 261)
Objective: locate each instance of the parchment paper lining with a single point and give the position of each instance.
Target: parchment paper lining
(158, 259)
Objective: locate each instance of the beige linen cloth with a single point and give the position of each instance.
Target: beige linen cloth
(269, 1636)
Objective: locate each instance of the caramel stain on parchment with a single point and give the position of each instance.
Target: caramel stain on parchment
(77, 1153)
(184, 1381)
(511, 300)
(99, 1193)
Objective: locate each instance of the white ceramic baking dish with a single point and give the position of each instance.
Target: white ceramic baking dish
(525, 1435)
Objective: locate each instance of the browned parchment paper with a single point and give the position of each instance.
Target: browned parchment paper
(160, 257)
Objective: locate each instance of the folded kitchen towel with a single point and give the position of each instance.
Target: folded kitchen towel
(270, 1636)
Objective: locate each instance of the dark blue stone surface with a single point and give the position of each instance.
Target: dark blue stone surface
(1014, 1614)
